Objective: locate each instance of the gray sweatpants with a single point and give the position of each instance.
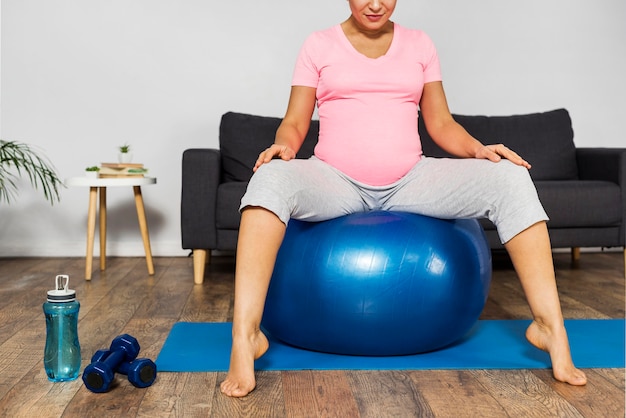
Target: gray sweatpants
(312, 190)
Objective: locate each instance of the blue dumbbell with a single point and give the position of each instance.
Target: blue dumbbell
(141, 372)
(121, 358)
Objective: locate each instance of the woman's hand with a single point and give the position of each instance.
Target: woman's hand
(274, 151)
(496, 152)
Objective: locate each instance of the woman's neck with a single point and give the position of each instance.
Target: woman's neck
(373, 43)
(351, 27)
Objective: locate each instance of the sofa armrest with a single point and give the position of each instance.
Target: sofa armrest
(201, 168)
(608, 164)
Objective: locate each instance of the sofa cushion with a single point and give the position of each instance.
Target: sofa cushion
(243, 137)
(545, 140)
(578, 204)
(584, 204)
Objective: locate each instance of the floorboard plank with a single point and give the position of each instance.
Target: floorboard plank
(21, 354)
(211, 302)
(318, 393)
(615, 376)
(185, 395)
(598, 399)
(265, 401)
(522, 394)
(451, 393)
(380, 393)
(164, 297)
(35, 396)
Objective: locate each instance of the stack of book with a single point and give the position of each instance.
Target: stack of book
(121, 170)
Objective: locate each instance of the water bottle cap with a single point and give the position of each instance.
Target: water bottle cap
(62, 293)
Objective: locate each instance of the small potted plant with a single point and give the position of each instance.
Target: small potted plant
(125, 156)
(92, 171)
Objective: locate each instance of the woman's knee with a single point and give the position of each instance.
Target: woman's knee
(518, 206)
(513, 181)
(513, 172)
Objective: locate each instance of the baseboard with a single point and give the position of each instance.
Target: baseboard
(591, 250)
(78, 249)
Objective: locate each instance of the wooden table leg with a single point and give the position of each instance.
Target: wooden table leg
(91, 230)
(143, 226)
(103, 227)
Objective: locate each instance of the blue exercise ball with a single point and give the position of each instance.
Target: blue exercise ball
(378, 283)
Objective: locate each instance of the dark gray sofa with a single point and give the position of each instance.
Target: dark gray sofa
(582, 189)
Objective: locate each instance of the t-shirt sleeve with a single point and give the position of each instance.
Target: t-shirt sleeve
(306, 72)
(430, 59)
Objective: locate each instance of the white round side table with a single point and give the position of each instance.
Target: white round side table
(99, 186)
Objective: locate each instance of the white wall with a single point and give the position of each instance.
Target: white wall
(80, 77)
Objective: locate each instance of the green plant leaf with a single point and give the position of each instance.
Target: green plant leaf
(18, 159)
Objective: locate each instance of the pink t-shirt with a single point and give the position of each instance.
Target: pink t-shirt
(368, 107)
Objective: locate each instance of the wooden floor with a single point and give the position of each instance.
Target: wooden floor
(124, 299)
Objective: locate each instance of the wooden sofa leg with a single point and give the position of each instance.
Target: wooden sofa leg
(575, 255)
(199, 260)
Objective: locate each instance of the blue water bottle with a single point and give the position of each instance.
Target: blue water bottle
(62, 353)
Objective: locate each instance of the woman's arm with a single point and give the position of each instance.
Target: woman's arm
(294, 127)
(451, 136)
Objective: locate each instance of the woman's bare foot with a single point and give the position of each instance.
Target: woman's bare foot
(555, 342)
(240, 378)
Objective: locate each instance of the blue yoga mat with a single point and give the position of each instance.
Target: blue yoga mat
(491, 344)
